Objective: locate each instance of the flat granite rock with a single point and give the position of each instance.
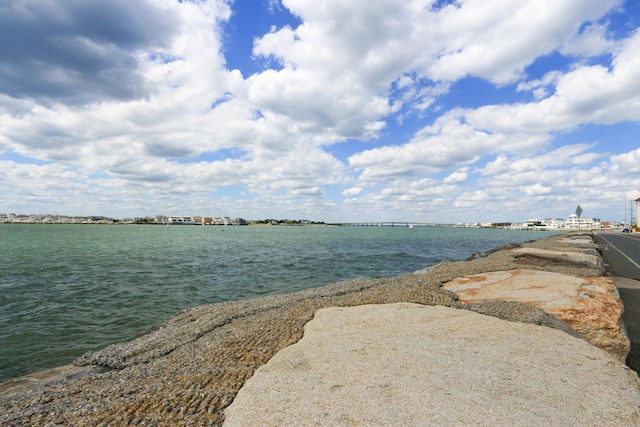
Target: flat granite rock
(408, 364)
(588, 258)
(590, 305)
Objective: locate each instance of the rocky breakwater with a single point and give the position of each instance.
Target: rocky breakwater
(590, 304)
(404, 364)
(408, 365)
(188, 370)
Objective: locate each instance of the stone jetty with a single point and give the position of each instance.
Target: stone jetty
(450, 345)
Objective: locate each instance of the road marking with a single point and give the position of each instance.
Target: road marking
(622, 253)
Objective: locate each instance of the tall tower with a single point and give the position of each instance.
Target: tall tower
(637, 212)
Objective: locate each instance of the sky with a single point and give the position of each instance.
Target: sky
(326, 110)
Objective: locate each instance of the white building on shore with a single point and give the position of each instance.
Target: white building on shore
(554, 223)
(571, 223)
(574, 222)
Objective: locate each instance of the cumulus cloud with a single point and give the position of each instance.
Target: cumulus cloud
(587, 94)
(79, 52)
(456, 178)
(353, 110)
(449, 142)
(353, 191)
(488, 46)
(592, 41)
(628, 164)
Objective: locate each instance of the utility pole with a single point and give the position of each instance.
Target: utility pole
(624, 224)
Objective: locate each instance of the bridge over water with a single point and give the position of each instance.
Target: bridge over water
(391, 224)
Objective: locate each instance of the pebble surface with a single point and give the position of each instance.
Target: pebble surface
(189, 369)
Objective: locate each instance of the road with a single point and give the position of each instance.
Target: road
(621, 251)
(621, 254)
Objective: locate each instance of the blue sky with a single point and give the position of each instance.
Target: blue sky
(434, 111)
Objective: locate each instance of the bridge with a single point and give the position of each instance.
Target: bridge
(391, 224)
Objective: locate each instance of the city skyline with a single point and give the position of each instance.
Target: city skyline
(426, 110)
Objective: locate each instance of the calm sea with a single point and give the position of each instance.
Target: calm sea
(66, 289)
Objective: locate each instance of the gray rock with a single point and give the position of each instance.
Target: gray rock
(406, 364)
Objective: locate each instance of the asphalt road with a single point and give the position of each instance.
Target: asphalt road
(621, 254)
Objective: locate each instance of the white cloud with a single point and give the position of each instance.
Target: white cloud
(627, 164)
(542, 168)
(353, 191)
(588, 94)
(309, 192)
(555, 180)
(592, 41)
(439, 147)
(456, 178)
(487, 45)
(536, 189)
(179, 125)
(539, 86)
(32, 188)
(80, 52)
(347, 53)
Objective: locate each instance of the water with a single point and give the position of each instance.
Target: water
(67, 289)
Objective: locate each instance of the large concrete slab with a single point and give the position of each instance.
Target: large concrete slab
(409, 364)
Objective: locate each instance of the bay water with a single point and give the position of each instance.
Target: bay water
(67, 289)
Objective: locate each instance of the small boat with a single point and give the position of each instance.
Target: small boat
(180, 220)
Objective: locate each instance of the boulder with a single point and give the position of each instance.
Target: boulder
(408, 364)
(590, 305)
(588, 258)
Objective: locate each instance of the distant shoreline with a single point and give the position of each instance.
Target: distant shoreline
(398, 224)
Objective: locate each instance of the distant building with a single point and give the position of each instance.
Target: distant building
(222, 220)
(574, 222)
(533, 223)
(35, 218)
(180, 220)
(554, 223)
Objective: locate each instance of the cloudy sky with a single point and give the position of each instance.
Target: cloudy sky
(334, 110)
